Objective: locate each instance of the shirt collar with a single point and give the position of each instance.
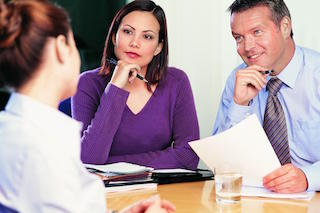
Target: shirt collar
(290, 73)
(42, 115)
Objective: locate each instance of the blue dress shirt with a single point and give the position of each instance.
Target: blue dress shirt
(300, 100)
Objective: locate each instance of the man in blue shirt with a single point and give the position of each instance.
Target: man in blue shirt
(263, 34)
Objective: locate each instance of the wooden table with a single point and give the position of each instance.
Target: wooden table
(199, 197)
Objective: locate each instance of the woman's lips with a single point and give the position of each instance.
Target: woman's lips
(132, 55)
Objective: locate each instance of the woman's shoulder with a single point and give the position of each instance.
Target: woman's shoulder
(91, 78)
(91, 74)
(176, 74)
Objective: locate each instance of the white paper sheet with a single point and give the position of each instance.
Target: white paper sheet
(244, 148)
(173, 171)
(120, 168)
(262, 192)
(134, 187)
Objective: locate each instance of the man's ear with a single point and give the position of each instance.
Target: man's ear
(285, 27)
(158, 49)
(62, 48)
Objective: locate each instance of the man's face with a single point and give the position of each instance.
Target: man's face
(259, 40)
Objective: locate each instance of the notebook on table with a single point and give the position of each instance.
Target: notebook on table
(121, 174)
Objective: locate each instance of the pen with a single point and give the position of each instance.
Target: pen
(268, 72)
(115, 62)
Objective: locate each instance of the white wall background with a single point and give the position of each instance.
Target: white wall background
(201, 44)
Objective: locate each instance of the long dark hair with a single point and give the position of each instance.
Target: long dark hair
(25, 27)
(158, 67)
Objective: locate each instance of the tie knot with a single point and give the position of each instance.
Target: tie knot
(274, 85)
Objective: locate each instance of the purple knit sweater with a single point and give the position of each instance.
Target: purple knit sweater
(112, 133)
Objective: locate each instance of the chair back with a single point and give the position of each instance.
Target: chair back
(4, 97)
(65, 106)
(4, 209)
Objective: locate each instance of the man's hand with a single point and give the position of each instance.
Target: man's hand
(249, 82)
(286, 179)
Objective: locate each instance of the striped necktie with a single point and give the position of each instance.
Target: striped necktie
(274, 123)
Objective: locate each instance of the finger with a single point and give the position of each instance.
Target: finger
(277, 181)
(284, 187)
(251, 75)
(132, 76)
(123, 66)
(168, 206)
(252, 79)
(255, 79)
(257, 67)
(283, 170)
(133, 67)
(138, 207)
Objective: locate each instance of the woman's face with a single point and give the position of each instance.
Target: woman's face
(136, 40)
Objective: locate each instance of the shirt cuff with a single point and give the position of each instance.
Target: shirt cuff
(238, 112)
(312, 173)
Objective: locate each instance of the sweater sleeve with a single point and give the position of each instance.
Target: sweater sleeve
(100, 115)
(185, 128)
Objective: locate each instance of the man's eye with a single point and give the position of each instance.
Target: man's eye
(257, 32)
(238, 38)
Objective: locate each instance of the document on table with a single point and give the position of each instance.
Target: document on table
(244, 149)
(135, 187)
(262, 192)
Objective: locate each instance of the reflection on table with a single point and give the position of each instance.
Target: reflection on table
(199, 197)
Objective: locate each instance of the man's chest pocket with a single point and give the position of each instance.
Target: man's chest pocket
(306, 136)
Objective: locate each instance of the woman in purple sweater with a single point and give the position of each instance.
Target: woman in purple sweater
(126, 119)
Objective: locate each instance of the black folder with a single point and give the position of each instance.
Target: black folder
(166, 178)
(162, 178)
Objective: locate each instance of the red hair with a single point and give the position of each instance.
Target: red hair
(25, 26)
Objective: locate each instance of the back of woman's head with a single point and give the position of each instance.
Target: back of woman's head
(157, 68)
(25, 27)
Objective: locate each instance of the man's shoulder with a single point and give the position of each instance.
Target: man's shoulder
(310, 56)
(235, 70)
(240, 66)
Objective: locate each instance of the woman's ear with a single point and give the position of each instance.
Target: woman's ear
(62, 49)
(158, 49)
(114, 39)
(285, 27)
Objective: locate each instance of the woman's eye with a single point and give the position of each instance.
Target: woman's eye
(127, 31)
(149, 37)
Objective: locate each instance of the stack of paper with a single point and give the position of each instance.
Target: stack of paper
(135, 187)
(119, 168)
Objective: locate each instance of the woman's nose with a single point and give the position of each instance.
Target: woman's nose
(135, 42)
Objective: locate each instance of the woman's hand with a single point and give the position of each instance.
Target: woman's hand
(151, 205)
(124, 73)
